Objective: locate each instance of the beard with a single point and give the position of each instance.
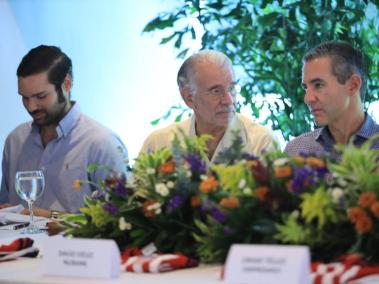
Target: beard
(43, 117)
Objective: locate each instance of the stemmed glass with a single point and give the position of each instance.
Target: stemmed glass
(29, 187)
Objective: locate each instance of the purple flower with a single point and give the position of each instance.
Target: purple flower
(174, 203)
(97, 194)
(121, 190)
(196, 163)
(218, 215)
(302, 178)
(110, 208)
(249, 157)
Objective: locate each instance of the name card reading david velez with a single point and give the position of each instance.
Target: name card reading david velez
(267, 264)
(81, 258)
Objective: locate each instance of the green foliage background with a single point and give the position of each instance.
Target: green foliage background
(267, 39)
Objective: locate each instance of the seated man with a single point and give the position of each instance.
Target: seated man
(61, 141)
(208, 86)
(334, 80)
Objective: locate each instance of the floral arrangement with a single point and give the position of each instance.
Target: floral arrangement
(175, 202)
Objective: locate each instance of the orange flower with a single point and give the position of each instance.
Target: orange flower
(208, 185)
(77, 184)
(261, 192)
(356, 213)
(283, 172)
(151, 208)
(375, 209)
(230, 202)
(363, 225)
(195, 201)
(252, 164)
(366, 199)
(299, 160)
(315, 162)
(167, 167)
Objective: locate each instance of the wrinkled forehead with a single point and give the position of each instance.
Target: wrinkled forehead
(213, 71)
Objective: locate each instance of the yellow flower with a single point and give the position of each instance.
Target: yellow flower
(77, 184)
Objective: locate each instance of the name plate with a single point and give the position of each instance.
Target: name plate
(267, 264)
(81, 258)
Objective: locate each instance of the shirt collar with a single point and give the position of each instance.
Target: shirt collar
(67, 122)
(368, 127)
(366, 131)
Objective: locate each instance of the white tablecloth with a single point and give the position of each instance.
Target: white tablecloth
(29, 270)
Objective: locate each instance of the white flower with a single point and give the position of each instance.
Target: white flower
(295, 214)
(247, 191)
(123, 225)
(188, 174)
(170, 184)
(342, 182)
(150, 171)
(107, 197)
(337, 194)
(156, 207)
(280, 162)
(203, 177)
(161, 189)
(242, 183)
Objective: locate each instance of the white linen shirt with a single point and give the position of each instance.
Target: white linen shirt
(255, 137)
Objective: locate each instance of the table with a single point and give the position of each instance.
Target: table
(29, 270)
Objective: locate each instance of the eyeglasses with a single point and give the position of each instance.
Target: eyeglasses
(220, 91)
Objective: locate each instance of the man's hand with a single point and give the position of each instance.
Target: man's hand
(37, 212)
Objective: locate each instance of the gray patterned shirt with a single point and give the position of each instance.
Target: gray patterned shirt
(320, 141)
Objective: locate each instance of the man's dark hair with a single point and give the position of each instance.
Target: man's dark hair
(47, 58)
(345, 61)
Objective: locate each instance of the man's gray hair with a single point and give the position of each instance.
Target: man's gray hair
(187, 70)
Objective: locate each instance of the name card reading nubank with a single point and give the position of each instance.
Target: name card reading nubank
(267, 264)
(81, 258)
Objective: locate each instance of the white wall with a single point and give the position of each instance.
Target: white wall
(122, 78)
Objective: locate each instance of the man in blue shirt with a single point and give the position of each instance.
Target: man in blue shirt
(334, 79)
(61, 141)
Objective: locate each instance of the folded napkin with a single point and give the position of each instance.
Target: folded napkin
(348, 268)
(13, 209)
(133, 260)
(19, 247)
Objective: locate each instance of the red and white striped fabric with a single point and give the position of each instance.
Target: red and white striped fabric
(351, 267)
(134, 261)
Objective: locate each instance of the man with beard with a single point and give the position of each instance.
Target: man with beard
(61, 141)
(335, 79)
(208, 86)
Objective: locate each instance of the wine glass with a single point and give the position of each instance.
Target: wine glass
(29, 187)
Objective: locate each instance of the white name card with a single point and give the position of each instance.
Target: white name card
(81, 258)
(267, 264)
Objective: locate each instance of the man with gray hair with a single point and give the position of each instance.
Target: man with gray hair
(208, 86)
(334, 80)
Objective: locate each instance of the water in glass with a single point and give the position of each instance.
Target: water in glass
(29, 187)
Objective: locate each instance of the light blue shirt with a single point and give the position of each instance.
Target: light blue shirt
(81, 142)
(320, 141)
